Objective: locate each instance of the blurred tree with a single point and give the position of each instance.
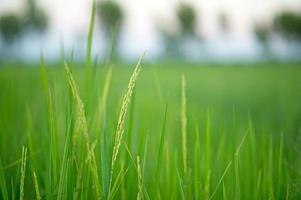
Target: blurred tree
(188, 42)
(13, 27)
(171, 44)
(223, 22)
(35, 18)
(187, 18)
(111, 15)
(288, 24)
(182, 43)
(10, 27)
(263, 33)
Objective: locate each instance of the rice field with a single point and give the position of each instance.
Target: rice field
(150, 131)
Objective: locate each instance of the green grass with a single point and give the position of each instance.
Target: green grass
(242, 126)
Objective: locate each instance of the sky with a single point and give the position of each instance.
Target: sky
(69, 21)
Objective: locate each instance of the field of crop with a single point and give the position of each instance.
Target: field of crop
(172, 131)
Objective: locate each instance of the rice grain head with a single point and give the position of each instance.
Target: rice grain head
(122, 116)
(81, 118)
(83, 126)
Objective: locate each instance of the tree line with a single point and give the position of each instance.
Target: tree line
(12, 26)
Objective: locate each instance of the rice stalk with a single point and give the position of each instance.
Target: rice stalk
(122, 117)
(207, 184)
(53, 151)
(122, 187)
(287, 197)
(280, 162)
(144, 155)
(184, 125)
(224, 192)
(3, 186)
(76, 190)
(23, 170)
(102, 100)
(258, 182)
(89, 45)
(36, 185)
(119, 180)
(197, 157)
(140, 185)
(64, 165)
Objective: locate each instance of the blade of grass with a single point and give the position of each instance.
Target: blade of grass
(3, 187)
(38, 194)
(66, 154)
(197, 163)
(144, 155)
(105, 166)
(229, 164)
(44, 77)
(143, 166)
(181, 185)
(137, 170)
(160, 151)
(102, 102)
(224, 192)
(89, 45)
(207, 155)
(158, 85)
(23, 171)
(280, 163)
(271, 169)
(184, 127)
(52, 124)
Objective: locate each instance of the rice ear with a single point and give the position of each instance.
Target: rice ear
(122, 116)
(83, 126)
